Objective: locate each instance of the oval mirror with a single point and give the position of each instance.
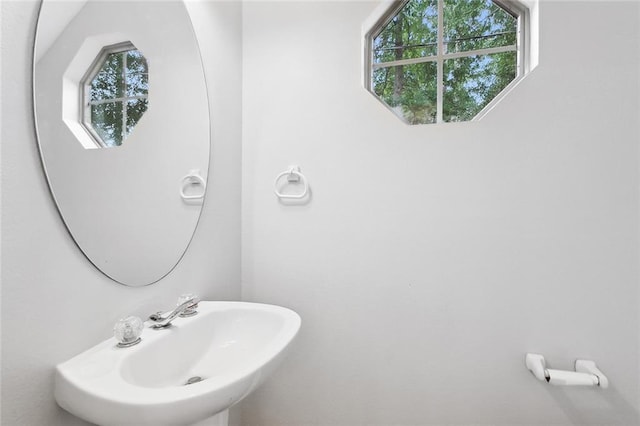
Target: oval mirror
(122, 119)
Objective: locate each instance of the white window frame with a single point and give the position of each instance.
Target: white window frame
(85, 93)
(513, 7)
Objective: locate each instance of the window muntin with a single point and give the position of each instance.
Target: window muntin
(474, 48)
(115, 94)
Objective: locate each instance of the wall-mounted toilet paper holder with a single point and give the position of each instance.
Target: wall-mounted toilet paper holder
(586, 374)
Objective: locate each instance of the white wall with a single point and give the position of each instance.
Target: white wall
(432, 258)
(54, 303)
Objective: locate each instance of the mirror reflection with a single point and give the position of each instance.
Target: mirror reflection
(115, 94)
(111, 74)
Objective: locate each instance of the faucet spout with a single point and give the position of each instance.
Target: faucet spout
(162, 320)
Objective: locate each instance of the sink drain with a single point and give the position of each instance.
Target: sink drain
(194, 379)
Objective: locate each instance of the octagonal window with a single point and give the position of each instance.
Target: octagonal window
(115, 93)
(434, 61)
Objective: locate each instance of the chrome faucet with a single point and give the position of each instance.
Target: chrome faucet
(186, 308)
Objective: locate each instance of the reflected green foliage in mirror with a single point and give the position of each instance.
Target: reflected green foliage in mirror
(117, 93)
(427, 74)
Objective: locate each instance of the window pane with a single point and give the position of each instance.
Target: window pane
(410, 90)
(108, 83)
(477, 24)
(135, 109)
(412, 33)
(137, 74)
(472, 82)
(106, 120)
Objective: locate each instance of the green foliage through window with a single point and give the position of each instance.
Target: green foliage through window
(117, 94)
(427, 74)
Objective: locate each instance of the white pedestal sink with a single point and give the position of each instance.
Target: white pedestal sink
(224, 353)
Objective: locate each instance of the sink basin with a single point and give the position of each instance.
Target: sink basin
(194, 369)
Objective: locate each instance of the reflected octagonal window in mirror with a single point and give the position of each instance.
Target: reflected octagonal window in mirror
(115, 93)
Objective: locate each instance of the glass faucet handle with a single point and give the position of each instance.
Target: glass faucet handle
(192, 309)
(127, 331)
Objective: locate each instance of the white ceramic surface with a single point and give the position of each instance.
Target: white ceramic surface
(233, 346)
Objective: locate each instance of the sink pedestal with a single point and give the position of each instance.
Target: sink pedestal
(220, 419)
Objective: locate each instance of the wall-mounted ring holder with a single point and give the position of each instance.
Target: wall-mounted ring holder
(294, 176)
(193, 178)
